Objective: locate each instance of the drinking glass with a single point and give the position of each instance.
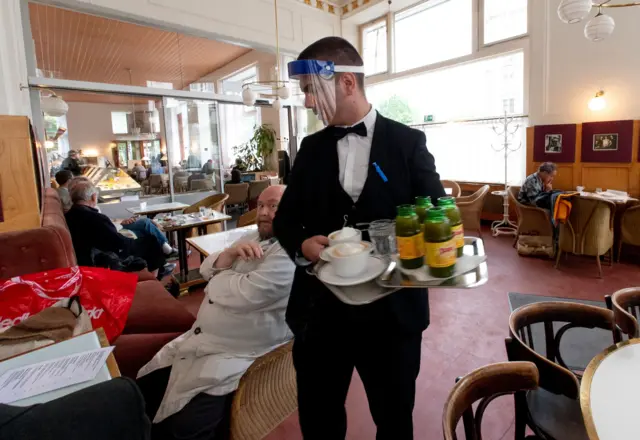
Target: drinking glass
(203, 211)
(382, 234)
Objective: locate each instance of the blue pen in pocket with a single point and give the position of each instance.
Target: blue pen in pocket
(380, 172)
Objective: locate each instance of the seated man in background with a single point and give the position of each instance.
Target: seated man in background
(207, 168)
(92, 230)
(189, 384)
(72, 163)
(537, 189)
(63, 179)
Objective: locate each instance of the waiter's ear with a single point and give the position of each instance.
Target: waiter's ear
(349, 82)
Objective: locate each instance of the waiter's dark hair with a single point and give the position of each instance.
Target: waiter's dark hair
(338, 50)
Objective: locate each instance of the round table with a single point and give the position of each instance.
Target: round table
(504, 226)
(610, 393)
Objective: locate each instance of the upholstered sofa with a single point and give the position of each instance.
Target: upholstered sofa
(155, 316)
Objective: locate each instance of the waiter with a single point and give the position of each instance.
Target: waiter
(360, 168)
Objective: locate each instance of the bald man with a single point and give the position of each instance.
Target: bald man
(189, 384)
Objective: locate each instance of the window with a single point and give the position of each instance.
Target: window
(433, 31)
(504, 19)
(119, 122)
(436, 96)
(160, 85)
(374, 47)
(232, 85)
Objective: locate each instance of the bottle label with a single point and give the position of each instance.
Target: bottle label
(458, 235)
(441, 254)
(410, 247)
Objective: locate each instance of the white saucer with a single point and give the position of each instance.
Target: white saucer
(374, 268)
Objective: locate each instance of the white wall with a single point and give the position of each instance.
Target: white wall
(13, 67)
(89, 126)
(567, 69)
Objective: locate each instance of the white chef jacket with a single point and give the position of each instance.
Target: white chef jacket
(241, 318)
(353, 157)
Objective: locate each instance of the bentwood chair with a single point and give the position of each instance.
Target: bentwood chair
(625, 305)
(589, 230)
(629, 230)
(266, 395)
(455, 188)
(471, 209)
(484, 385)
(248, 218)
(238, 194)
(214, 202)
(531, 219)
(255, 189)
(553, 410)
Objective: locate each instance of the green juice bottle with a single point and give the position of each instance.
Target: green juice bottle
(453, 213)
(423, 203)
(409, 238)
(439, 246)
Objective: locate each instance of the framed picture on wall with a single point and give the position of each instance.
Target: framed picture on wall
(607, 141)
(554, 143)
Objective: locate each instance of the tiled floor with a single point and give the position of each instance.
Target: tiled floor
(467, 331)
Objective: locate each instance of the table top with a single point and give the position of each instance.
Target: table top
(610, 392)
(619, 199)
(158, 208)
(186, 221)
(211, 243)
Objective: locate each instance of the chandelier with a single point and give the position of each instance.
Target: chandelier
(599, 27)
(276, 89)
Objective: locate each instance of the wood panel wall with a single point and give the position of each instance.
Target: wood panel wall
(18, 187)
(592, 175)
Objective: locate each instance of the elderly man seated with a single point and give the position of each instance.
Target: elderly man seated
(91, 230)
(189, 384)
(537, 189)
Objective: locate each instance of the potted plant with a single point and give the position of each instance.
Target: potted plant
(255, 154)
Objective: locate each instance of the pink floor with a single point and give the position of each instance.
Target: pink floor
(467, 331)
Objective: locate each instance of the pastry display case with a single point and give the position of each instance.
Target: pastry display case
(111, 180)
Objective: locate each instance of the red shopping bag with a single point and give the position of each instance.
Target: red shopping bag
(105, 294)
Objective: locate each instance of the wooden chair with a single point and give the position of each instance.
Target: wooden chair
(248, 218)
(629, 230)
(215, 202)
(455, 188)
(267, 394)
(553, 411)
(485, 384)
(589, 230)
(238, 194)
(531, 219)
(158, 183)
(625, 305)
(202, 185)
(255, 189)
(471, 209)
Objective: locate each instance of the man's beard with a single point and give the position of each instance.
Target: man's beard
(265, 230)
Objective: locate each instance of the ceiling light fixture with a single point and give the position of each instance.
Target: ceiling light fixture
(276, 89)
(53, 105)
(599, 27)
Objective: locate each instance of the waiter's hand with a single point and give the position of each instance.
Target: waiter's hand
(312, 247)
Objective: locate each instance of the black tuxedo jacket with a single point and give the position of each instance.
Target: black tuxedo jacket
(315, 203)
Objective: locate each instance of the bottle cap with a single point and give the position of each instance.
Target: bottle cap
(435, 214)
(446, 201)
(406, 210)
(423, 201)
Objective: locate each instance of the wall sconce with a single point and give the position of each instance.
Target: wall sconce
(598, 102)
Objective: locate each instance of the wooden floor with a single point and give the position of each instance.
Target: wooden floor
(467, 331)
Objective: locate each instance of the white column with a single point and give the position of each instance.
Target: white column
(270, 116)
(13, 61)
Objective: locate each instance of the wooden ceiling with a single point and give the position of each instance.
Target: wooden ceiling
(73, 45)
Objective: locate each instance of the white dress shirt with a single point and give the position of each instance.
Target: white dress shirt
(353, 157)
(241, 318)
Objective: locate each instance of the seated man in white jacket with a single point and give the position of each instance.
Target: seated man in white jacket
(189, 384)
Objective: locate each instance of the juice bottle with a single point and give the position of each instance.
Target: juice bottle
(422, 205)
(409, 238)
(452, 211)
(440, 250)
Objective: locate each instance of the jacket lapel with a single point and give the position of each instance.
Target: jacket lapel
(377, 155)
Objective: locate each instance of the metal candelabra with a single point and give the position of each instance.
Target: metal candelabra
(506, 130)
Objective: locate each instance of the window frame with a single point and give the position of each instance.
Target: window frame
(387, 20)
(479, 49)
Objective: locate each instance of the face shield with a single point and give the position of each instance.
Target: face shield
(317, 82)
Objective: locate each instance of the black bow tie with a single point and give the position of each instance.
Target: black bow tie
(340, 132)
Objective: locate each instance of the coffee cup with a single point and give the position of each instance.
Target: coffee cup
(345, 235)
(349, 259)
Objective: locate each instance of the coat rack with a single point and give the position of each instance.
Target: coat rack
(506, 130)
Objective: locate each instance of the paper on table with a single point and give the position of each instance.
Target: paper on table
(31, 380)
